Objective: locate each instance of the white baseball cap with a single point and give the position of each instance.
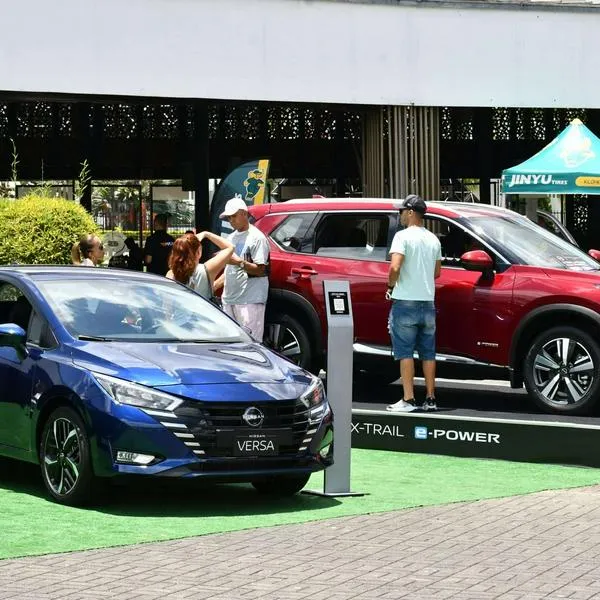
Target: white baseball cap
(232, 206)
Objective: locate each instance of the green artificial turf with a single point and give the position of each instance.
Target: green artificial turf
(31, 524)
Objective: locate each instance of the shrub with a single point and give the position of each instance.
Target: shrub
(36, 230)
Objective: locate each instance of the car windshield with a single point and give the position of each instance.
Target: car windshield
(136, 310)
(529, 244)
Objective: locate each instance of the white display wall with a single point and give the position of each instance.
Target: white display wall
(303, 50)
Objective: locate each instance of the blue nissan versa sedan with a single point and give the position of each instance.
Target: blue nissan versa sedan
(106, 372)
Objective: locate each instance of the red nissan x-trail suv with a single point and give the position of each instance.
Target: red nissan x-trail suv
(511, 294)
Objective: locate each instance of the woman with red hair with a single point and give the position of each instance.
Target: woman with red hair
(185, 257)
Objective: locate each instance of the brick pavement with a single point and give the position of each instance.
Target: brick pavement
(543, 545)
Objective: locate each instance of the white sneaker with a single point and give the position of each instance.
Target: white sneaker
(402, 406)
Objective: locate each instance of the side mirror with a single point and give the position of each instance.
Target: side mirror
(477, 260)
(595, 254)
(13, 336)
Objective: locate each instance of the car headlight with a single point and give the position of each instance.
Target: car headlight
(314, 395)
(125, 392)
(314, 399)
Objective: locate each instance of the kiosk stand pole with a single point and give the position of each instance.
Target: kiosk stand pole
(340, 338)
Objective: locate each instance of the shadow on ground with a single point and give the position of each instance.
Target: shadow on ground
(141, 497)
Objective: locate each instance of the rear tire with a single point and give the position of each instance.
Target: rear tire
(281, 485)
(562, 371)
(288, 336)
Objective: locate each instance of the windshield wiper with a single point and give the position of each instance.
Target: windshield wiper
(210, 341)
(94, 338)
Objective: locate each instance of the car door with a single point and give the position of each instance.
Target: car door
(470, 306)
(17, 372)
(350, 245)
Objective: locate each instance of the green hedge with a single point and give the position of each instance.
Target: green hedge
(37, 230)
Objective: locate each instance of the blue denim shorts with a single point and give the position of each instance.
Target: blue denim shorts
(412, 327)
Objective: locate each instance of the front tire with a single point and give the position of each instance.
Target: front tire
(287, 336)
(562, 371)
(65, 458)
(281, 485)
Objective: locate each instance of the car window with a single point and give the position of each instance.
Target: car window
(14, 306)
(454, 241)
(290, 234)
(546, 222)
(40, 333)
(554, 226)
(355, 236)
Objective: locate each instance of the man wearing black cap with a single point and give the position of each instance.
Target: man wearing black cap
(415, 264)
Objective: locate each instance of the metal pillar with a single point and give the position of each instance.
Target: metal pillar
(200, 168)
(409, 162)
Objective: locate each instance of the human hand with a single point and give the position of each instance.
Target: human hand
(201, 236)
(388, 294)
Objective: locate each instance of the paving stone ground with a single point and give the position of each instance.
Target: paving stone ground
(539, 546)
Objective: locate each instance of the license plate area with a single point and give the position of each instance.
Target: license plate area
(254, 442)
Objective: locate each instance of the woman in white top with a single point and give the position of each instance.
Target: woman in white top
(185, 256)
(88, 252)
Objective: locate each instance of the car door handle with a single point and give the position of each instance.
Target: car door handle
(303, 272)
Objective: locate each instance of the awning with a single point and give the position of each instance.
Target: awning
(570, 164)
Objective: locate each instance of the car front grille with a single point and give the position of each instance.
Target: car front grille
(197, 424)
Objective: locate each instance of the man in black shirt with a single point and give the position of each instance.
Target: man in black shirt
(158, 247)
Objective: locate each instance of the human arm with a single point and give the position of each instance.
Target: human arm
(396, 262)
(397, 254)
(438, 262)
(257, 258)
(253, 269)
(217, 240)
(216, 264)
(148, 252)
(218, 283)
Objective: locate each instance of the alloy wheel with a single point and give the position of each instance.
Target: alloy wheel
(283, 340)
(563, 371)
(62, 456)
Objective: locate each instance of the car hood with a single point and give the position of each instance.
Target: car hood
(189, 364)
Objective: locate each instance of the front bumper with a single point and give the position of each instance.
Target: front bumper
(198, 440)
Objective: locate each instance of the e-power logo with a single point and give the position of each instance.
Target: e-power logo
(453, 435)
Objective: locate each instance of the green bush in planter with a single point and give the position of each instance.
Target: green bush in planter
(36, 230)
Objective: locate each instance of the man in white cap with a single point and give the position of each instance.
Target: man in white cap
(245, 280)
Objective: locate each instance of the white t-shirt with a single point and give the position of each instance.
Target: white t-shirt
(421, 250)
(251, 245)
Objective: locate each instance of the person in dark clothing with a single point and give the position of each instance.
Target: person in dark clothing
(135, 260)
(158, 247)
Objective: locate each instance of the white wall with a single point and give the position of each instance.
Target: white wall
(302, 50)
